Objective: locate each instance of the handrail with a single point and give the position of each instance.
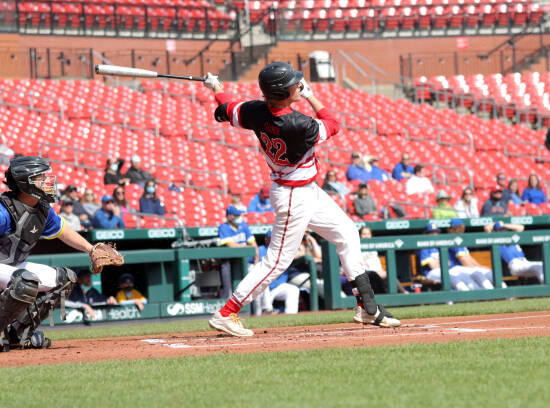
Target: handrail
(410, 204)
(360, 71)
(191, 137)
(343, 115)
(436, 166)
(539, 148)
(30, 106)
(186, 183)
(137, 215)
(125, 124)
(439, 130)
(401, 79)
(498, 109)
(192, 97)
(75, 151)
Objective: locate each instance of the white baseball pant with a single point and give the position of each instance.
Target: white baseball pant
(524, 267)
(46, 274)
(288, 293)
(459, 279)
(296, 209)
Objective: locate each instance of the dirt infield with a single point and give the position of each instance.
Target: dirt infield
(446, 329)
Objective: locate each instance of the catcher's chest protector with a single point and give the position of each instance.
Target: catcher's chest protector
(29, 224)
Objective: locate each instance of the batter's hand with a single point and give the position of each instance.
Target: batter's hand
(306, 91)
(211, 81)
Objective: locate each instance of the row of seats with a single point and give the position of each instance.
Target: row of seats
(119, 15)
(407, 17)
(513, 92)
(193, 149)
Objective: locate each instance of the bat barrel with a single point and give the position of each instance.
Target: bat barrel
(124, 71)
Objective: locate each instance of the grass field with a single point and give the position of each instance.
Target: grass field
(498, 373)
(482, 373)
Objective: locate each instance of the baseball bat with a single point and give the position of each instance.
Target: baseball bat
(116, 70)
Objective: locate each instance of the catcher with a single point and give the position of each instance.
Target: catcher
(28, 291)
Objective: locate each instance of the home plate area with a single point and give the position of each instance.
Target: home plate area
(352, 335)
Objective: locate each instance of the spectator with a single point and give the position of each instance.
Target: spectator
(127, 295)
(71, 194)
(112, 172)
(419, 183)
(533, 193)
(372, 264)
(375, 172)
(108, 216)
(501, 181)
(466, 206)
(332, 186)
(119, 198)
(513, 187)
(234, 234)
(236, 201)
(136, 174)
(364, 204)
(260, 202)
(513, 255)
(460, 257)
(431, 268)
(280, 289)
(356, 171)
(403, 169)
(495, 205)
(84, 296)
(67, 214)
(149, 203)
(443, 209)
(89, 203)
(299, 272)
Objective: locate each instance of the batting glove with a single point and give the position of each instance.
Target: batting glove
(211, 81)
(306, 91)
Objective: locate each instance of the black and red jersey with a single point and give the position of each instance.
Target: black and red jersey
(287, 137)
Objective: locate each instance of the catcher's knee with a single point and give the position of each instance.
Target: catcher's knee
(23, 286)
(65, 276)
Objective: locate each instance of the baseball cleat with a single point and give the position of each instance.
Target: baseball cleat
(382, 318)
(231, 325)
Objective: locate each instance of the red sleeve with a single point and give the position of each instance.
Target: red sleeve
(329, 120)
(221, 98)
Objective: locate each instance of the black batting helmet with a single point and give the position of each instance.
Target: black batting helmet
(20, 177)
(276, 77)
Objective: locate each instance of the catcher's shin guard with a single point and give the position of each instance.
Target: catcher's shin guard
(21, 292)
(362, 283)
(23, 332)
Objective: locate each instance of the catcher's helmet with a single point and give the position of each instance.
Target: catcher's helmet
(21, 177)
(276, 77)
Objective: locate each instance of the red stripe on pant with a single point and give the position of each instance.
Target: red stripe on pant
(280, 248)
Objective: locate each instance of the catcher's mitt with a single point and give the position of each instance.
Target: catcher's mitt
(103, 254)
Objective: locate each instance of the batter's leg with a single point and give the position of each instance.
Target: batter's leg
(293, 210)
(331, 223)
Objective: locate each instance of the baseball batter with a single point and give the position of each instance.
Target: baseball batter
(289, 139)
(28, 291)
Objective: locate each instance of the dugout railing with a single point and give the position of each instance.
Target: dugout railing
(390, 246)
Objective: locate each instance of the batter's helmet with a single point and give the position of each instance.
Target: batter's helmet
(19, 177)
(276, 77)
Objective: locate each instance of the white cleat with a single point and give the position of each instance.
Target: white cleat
(231, 325)
(382, 317)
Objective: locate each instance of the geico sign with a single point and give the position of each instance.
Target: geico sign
(110, 234)
(162, 233)
(402, 224)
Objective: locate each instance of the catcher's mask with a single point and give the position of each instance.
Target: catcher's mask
(27, 174)
(275, 79)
